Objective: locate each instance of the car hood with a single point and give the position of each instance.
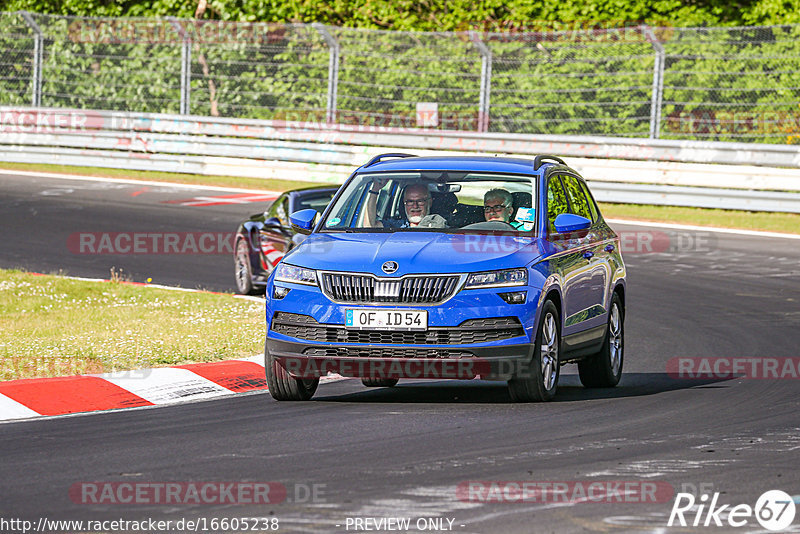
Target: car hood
(414, 252)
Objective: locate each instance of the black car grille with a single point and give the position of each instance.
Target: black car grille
(375, 352)
(469, 332)
(359, 288)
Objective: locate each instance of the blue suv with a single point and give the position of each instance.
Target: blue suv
(450, 267)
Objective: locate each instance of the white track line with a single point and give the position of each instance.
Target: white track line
(11, 409)
(137, 182)
(754, 233)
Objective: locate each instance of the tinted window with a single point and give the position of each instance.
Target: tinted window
(316, 201)
(556, 201)
(278, 208)
(592, 204)
(577, 200)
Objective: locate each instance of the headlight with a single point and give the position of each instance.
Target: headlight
(297, 275)
(506, 278)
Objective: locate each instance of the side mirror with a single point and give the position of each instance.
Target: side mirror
(273, 223)
(569, 222)
(303, 221)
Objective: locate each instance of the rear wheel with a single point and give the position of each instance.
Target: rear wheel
(243, 272)
(539, 380)
(379, 382)
(283, 386)
(604, 369)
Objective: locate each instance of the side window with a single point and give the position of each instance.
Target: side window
(556, 201)
(278, 208)
(282, 212)
(592, 204)
(577, 200)
(316, 202)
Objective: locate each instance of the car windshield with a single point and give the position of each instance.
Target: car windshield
(316, 200)
(443, 200)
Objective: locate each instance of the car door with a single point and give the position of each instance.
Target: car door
(588, 311)
(274, 235)
(566, 263)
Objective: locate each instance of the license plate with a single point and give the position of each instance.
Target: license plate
(379, 319)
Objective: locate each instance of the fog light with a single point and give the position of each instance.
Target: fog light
(515, 297)
(279, 292)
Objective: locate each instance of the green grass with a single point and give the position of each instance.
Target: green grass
(748, 220)
(56, 326)
(773, 222)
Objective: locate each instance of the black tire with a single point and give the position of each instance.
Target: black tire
(243, 274)
(538, 381)
(604, 369)
(380, 382)
(283, 386)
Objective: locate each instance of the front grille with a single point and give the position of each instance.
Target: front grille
(361, 288)
(469, 332)
(360, 352)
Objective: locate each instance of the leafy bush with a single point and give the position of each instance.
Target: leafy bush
(736, 84)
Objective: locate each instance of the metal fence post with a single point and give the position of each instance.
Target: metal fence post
(486, 82)
(186, 65)
(658, 82)
(333, 71)
(38, 54)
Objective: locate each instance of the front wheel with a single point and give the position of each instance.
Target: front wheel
(539, 381)
(283, 386)
(604, 369)
(379, 382)
(243, 272)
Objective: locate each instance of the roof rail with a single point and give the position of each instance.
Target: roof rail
(376, 159)
(537, 161)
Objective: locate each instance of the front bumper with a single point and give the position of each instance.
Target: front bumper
(474, 334)
(305, 360)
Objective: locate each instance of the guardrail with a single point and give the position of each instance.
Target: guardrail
(683, 173)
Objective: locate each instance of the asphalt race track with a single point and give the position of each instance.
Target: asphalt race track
(409, 452)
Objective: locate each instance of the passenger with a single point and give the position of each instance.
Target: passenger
(498, 206)
(416, 203)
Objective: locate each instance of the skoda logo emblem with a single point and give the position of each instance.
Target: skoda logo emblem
(389, 267)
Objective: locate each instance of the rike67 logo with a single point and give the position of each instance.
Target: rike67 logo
(774, 511)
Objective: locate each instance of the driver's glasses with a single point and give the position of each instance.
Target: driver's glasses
(496, 208)
(415, 202)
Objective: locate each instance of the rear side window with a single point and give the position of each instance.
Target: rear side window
(592, 204)
(577, 199)
(556, 201)
(280, 209)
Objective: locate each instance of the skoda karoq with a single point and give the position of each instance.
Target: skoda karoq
(450, 267)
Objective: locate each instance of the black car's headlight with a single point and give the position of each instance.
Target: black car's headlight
(504, 278)
(297, 275)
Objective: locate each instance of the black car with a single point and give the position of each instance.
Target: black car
(264, 238)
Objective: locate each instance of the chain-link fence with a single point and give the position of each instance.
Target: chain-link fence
(730, 84)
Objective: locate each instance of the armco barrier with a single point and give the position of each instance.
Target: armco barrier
(685, 173)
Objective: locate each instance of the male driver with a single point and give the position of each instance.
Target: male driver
(417, 204)
(498, 205)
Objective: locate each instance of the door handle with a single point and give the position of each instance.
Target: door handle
(609, 248)
(588, 254)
